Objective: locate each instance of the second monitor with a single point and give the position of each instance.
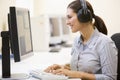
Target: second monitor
(59, 31)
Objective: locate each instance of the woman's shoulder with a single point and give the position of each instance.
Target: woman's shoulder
(105, 40)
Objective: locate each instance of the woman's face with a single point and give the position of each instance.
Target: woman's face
(72, 21)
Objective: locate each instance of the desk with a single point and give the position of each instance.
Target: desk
(40, 60)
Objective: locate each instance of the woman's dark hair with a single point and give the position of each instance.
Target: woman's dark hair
(99, 23)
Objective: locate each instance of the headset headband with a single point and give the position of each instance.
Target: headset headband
(84, 5)
(84, 14)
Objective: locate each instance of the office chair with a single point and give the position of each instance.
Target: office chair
(116, 38)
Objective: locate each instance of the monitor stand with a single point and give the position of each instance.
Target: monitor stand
(6, 73)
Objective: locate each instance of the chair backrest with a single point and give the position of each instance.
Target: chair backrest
(116, 38)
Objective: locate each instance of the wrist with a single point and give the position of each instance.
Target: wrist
(79, 75)
(82, 75)
(87, 76)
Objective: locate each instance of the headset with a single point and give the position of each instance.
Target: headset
(84, 14)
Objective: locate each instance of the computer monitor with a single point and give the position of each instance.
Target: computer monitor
(20, 33)
(66, 33)
(65, 30)
(55, 30)
(20, 38)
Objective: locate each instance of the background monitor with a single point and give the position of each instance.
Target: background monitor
(20, 33)
(65, 30)
(55, 31)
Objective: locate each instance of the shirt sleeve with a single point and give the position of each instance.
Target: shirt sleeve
(108, 61)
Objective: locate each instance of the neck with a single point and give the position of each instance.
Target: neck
(87, 32)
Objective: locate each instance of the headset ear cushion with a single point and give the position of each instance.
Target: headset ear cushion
(84, 16)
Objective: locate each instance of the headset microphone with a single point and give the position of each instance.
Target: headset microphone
(84, 14)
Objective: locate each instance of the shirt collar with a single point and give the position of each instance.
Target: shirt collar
(90, 43)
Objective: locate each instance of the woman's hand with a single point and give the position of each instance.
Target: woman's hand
(53, 67)
(69, 73)
(66, 66)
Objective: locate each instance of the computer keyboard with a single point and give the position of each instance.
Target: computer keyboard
(46, 76)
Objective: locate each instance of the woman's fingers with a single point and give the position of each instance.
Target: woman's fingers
(53, 67)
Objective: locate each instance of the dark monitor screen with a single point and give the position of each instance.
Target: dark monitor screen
(20, 33)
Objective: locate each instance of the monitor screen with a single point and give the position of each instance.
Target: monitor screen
(20, 33)
(55, 30)
(65, 30)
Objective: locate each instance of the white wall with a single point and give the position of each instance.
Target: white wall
(40, 33)
(110, 13)
(56, 6)
(39, 7)
(25, 4)
(44, 6)
(4, 9)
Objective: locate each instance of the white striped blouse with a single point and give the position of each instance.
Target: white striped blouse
(97, 56)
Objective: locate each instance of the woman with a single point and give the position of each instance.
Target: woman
(94, 55)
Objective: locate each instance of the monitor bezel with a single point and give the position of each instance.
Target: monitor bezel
(13, 29)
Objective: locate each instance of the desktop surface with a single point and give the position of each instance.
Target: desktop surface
(40, 60)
